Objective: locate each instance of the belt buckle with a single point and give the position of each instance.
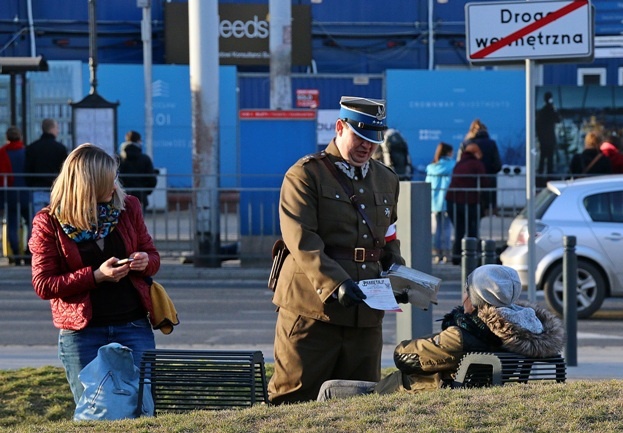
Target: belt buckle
(360, 255)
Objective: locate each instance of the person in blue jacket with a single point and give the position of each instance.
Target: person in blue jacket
(439, 174)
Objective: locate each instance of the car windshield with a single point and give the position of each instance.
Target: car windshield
(542, 201)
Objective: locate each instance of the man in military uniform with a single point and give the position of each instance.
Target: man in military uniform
(324, 330)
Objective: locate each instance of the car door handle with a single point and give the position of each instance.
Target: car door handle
(614, 237)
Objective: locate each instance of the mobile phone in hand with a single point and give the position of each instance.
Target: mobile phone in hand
(123, 261)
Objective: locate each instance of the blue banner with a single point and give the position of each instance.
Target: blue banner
(432, 106)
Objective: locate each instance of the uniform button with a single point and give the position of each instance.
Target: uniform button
(356, 177)
(363, 266)
(361, 190)
(365, 236)
(319, 291)
(363, 206)
(363, 221)
(337, 196)
(385, 200)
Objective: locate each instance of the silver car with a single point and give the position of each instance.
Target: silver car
(591, 209)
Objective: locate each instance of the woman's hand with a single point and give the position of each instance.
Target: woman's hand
(109, 272)
(140, 262)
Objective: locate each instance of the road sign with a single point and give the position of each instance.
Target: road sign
(538, 30)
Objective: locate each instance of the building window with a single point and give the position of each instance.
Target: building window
(620, 83)
(591, 76)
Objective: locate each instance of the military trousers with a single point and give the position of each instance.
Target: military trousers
(309, 352)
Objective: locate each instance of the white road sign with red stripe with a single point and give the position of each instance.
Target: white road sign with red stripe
(503, 31)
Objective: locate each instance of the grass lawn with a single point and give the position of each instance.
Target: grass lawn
(39, 400)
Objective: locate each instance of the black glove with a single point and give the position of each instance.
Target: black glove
(402, 297)
(349, 294)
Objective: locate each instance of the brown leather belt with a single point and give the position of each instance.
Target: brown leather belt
(358, 255)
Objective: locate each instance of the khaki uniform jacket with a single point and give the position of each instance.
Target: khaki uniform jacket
(315, 212)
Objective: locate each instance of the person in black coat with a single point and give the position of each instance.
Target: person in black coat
(545, 124)
(44, 159)
(133, 164)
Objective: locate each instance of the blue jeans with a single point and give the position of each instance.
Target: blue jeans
(344, 388)
(77, 348)
(442, 234)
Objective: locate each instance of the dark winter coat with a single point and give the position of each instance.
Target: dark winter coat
(490, 153)
(468, 176)
(429, 362)
(44, 156)
(135, 163)
(545, 124)
(581, 161)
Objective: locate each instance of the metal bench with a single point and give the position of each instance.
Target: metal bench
(183, 380)
(498, 368)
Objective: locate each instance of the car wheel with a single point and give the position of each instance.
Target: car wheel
(591, 289)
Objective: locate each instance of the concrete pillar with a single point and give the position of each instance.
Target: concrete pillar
(414, 232)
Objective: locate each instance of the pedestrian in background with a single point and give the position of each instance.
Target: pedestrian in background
(324, 330)
(545, 124)
(394, 153)
(76, 243)
(44, 159)
(591, 161)
(15, 199)
(136, 170)
(469, 178)
(479, 134)
(439, 174)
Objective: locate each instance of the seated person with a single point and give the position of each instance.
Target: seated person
(490, 320)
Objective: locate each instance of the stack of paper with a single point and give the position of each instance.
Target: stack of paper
(421, 288)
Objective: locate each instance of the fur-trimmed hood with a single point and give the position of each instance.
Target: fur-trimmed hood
(519, 340)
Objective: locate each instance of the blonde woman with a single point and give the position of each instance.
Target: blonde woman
(77, 243)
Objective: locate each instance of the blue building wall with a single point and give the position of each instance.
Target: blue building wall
(172, 133)
(429, 111)
(349, 36)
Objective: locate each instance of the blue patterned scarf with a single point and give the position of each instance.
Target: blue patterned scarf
(107, 219)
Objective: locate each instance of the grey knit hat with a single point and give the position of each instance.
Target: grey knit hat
(495, 285)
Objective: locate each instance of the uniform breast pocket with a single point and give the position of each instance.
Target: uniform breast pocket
(334, 204)
(385, 208)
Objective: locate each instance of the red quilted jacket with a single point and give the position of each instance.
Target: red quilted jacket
(59, 275)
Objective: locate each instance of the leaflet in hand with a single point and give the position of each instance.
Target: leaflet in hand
(379, 294)
(421, 288)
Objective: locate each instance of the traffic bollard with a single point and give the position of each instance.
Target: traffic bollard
(488, 252)
(469, 257)
(570, 299)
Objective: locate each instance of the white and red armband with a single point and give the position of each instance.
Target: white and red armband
(391, 233)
